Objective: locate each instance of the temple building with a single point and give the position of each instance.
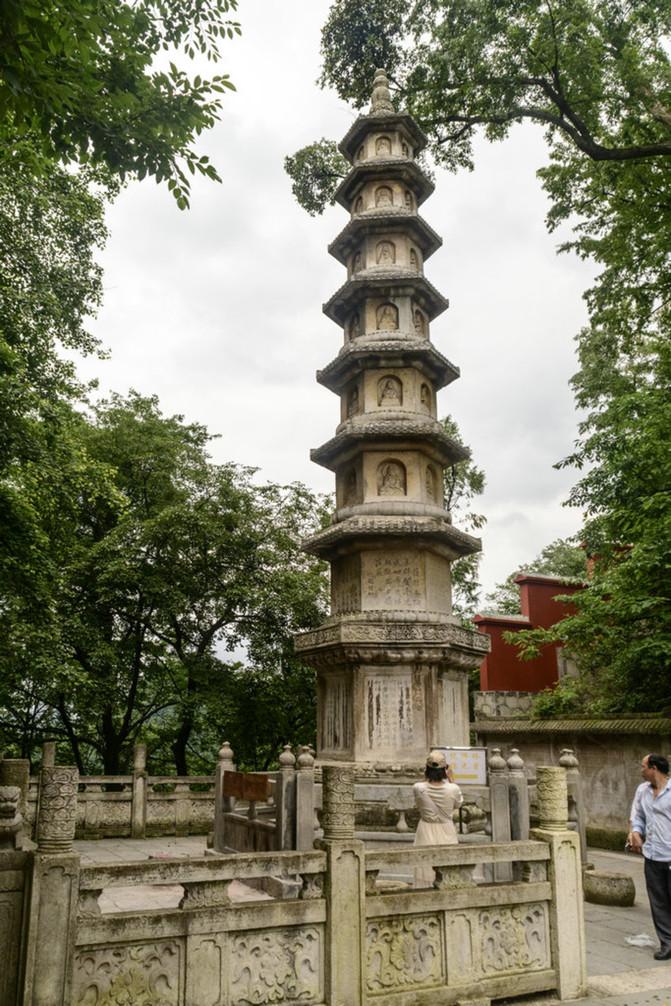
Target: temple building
(392, 660)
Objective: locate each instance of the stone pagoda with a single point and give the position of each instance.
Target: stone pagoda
(392, 661)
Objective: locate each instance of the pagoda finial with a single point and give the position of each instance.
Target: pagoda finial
(381, 99)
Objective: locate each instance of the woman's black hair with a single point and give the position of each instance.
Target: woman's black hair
(435, 774)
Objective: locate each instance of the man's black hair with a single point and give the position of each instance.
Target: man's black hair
(659, 762)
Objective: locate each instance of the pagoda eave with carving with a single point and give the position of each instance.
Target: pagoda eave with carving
(392, 659)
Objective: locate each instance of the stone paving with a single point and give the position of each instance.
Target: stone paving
(619, 974)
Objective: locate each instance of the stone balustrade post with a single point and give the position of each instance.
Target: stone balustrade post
(499, 798)
(519, 797)
(576, 814)
(138, 819)
(305, 800)
(567, 924)
(345, 886)
(222, 804)
(14, 865)
(285, 801)
(55, 890)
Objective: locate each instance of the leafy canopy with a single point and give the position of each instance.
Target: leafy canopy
(85, 79)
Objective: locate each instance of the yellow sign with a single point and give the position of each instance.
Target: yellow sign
(469, 765)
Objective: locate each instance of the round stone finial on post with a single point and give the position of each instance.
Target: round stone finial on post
(287, 759)
(381, 99)
(552, 796)
(57, 815)
(306, 761)
(226, 755)
(338, 802)
(567, 758)
(515, 762)
(496, 761)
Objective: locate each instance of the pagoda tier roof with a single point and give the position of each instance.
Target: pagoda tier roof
(383, 221)
(434, 530)
(386, 169)
(376, 433)
(364, 353)
(366, 124)
(388, 283)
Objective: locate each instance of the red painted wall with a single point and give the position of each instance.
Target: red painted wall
(501, 669)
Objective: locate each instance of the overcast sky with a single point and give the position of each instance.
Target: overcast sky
(218, 310)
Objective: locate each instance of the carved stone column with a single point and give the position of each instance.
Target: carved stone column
(552, 797)
(338, 802)
(55, 890)
(57, 816)
(345, 884)
(567, 923)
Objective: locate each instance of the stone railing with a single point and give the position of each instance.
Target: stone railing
(353, 930)
(137, 805)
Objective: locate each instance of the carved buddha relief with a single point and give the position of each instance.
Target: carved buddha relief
(407, 199)
(431, 484)
(353, 401)
(425, 398)
(414, 260)
(358, 206)
(384, 196)
(354, 327)
(385, 253)
(419, 322)
(357, 263)
(391, 479)
(404, 150)
(382, 146)
(387, 318)
(389, 391)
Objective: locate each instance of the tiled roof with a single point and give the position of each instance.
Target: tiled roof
(625, 725)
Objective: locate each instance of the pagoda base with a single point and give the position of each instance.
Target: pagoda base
(390, 686)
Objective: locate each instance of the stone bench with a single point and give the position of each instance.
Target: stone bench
(603, 887)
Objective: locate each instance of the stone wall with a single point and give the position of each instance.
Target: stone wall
(505, 705)
(609, 753)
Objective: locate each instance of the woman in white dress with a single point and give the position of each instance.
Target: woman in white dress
(435, 798)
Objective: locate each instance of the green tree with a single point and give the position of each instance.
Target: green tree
(620, 635)
(51, 226)
(562, 557)
(83, 78)
(462, 483)
(184, 564)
